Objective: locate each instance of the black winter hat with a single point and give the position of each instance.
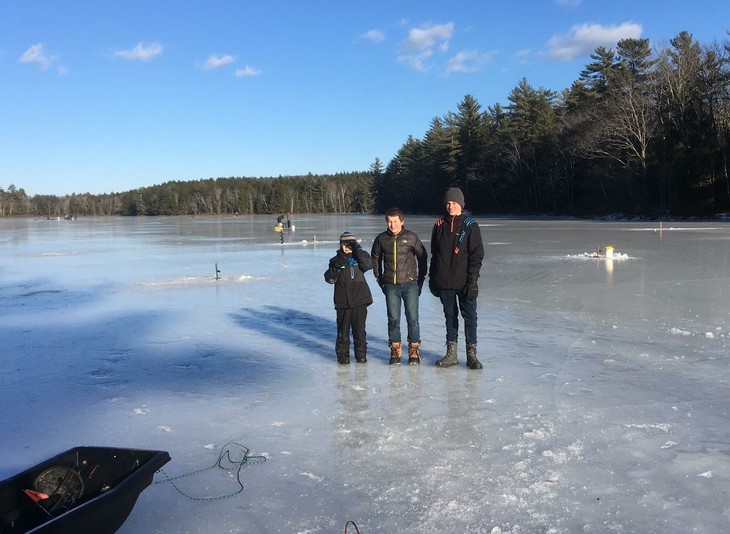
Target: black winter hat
(454, 194)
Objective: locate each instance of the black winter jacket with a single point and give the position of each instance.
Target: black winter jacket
(347, 273)
(457, 251)
(399, 259)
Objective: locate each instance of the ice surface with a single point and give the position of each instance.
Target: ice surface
(603, 405)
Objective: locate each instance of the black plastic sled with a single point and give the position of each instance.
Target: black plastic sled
(85, 489)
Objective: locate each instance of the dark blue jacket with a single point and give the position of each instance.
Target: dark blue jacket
(347, 273)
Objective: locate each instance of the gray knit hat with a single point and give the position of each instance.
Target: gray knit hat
(454, 194)
(347, 236)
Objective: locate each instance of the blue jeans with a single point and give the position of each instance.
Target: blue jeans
(453, 301)
(394, 294)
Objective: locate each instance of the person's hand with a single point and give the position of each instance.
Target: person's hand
(471, 289)
(341, 262)
(349, 247)
(433, 289)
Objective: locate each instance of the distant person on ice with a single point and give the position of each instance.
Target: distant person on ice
(400, 262)
(351, 296)
(456, 258)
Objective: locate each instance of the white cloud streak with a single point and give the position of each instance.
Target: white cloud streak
(469, 61)
(247, 72)
(215, 62)
(36, 55)
(522, 56)
(583, 39)
(141, 52)
(423, 42)
(376, 36)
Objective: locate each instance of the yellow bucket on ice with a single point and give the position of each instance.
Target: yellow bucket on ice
(609, 252)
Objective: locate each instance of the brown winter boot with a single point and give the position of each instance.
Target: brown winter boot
(396, 349)
(414, 353)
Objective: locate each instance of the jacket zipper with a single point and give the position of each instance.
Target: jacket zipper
(395, 259)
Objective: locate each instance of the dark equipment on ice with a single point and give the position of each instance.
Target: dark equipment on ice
(85, 489)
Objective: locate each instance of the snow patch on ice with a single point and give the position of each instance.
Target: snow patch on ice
(192, 281)
(664, 427)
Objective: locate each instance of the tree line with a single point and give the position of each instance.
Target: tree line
(640, 132)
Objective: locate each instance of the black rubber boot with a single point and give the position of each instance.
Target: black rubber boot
(450, 358)
(471, 357)
(361, 352)
(343, 352)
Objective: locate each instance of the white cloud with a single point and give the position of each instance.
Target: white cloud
(215, 62)
(429, 37)
(469, 61)
(583, 39)
(141, 52)
(522, 56)
(37, 55)
(422, 42)
(375, 36)
(247, 72)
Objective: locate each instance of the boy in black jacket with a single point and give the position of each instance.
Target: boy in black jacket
(400, 265)
(351, 296)
(457, 252)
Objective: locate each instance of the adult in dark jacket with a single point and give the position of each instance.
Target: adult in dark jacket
(352, 297)
(400, 262)
(457, 252)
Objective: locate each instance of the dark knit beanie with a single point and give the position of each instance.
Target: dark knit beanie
(454, 194)
(347, 236)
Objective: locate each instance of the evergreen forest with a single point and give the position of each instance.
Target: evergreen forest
(641, 132)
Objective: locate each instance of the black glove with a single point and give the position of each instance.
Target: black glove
(352, 245)
(341, 261)
(471, 290)
(380, 282)
(433, 289)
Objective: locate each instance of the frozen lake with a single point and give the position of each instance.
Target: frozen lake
(603, 405)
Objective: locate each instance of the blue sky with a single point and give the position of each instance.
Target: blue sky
(110, 96)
